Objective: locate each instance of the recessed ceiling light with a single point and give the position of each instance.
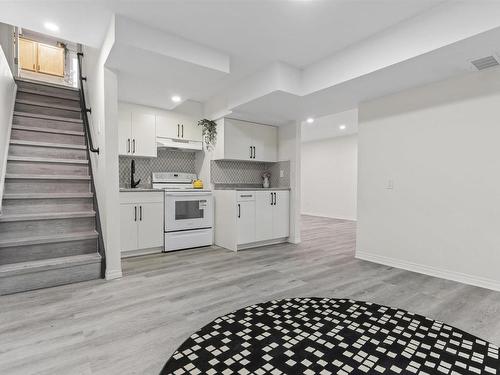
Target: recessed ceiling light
(176, 98)
(51, 26)
(342, 127)
(310, 120)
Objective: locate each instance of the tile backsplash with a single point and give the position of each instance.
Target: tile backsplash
(235, 173)
(166, 161)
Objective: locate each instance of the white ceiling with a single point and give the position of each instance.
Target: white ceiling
(329, 126)
(287, 59)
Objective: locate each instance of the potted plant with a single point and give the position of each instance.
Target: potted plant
(265, 177)
(209, 130)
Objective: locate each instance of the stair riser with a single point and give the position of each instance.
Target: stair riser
(51, 124)
(29, 206)
(28, 135)
(18, 229)
(20, 107)
(46, 186)
(50, 278)
(48, 99)
(71, 94)
(15, 254)
(47, 152)
(24, 167)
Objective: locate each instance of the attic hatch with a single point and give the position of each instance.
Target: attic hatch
(485, 62)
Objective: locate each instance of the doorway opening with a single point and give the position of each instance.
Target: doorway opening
(45, 58)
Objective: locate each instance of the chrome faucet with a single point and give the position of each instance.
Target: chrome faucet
(133, 184)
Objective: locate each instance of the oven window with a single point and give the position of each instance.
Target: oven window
(185, 210)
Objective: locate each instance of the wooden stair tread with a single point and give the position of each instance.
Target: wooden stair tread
(13, 176)
(50, 94)
(47, 117)
(48, 264)
(47, 144)
(35, 159)
(47, 130)
(47, 195)
(46, 216)
(48, 105)
(43, 83)
(25, 241)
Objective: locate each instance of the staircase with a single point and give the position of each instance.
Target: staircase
(48, 231)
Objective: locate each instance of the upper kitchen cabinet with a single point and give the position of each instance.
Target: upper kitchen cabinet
(177, 126)
(241, 140)
(136, 131)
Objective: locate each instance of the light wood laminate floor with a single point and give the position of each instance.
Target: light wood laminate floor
(132, 325)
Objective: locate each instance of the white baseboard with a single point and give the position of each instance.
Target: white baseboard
(113, 274)
(327, 216)
(431, 271)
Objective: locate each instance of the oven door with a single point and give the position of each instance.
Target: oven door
(186, 210)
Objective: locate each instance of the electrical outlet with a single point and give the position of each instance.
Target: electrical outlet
(282, 173)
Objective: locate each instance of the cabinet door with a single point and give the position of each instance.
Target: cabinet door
(281, 214)
(263, 216)
(246, 222)
(190, 129)
(124, 131)
(150, 218)
(128, 227)
(238, 137)
(265, 141)
(143, 134)
(27, 54)
(167, 126)
(50, 60)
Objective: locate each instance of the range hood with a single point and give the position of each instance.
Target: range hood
(180, 144)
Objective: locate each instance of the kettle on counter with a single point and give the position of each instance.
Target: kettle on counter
(197, 184)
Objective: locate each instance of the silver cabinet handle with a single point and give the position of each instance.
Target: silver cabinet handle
(246, 196)
(140, 213)
(133, 146)
(250, 152)
(135, 213)
(182, 127)
(239, 210)
(271, 199)
(254, 152)
(128, 146)
(178, 130)
(274, 199)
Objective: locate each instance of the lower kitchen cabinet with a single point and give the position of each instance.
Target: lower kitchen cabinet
(141, 221)
(246, 219)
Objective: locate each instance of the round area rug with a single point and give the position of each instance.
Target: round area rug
(331, 336)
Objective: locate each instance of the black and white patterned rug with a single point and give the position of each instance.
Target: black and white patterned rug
(331, 336)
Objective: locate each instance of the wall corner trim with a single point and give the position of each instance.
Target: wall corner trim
(430, 271)
(113, 274)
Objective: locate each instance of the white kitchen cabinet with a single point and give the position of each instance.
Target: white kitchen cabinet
(241, 140)
(136, 131)
(264, 215)
(177, 126)
(245, 219)
(281, 214)
(272, 214)
(141, 221)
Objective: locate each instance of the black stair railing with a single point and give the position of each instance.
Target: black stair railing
(83, 106)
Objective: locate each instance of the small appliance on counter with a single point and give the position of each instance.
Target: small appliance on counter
(188, 211)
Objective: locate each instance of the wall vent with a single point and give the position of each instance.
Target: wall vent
(485, 62)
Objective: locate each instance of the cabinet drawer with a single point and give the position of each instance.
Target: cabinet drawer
(244, 196)
(137, 197)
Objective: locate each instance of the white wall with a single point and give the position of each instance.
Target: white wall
(289, 148)
(7, 43)
(439, 145)
(102, 96)
(329, 177)
(7, 97)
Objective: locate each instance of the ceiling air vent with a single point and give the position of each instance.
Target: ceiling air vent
(485, 62)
